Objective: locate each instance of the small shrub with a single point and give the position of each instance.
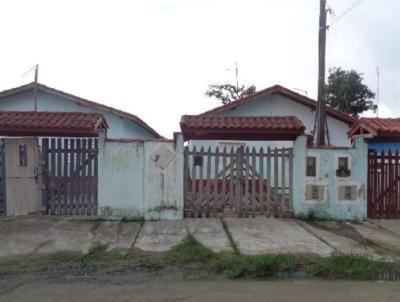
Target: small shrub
(96, 253)
(189, 251)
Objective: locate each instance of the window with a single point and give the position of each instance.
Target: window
(311, 169)
(343, 167)
(315, 192)
(347, 192)
(231, 145)
(23, 157)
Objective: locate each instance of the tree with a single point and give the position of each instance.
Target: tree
(227, 93)
(346, 91)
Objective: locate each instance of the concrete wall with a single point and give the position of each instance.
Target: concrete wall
(118, 127)
(326, 175)
(141, 179)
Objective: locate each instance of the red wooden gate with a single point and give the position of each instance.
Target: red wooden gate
(383, 184)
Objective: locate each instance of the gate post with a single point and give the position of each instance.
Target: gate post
(299, 155)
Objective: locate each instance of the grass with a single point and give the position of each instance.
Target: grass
(189, 251)
(239, 266)
(350, 267)
(313, 215)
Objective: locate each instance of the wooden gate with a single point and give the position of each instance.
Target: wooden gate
(383, 184)
(71, 176)
(239, 182)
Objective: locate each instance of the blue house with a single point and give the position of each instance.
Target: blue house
(122, 125)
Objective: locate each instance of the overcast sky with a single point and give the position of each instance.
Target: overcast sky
(155, 58)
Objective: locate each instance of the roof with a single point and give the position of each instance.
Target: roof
(80, 101)
(301, 99)
(241, 127)
(380, 128)
(41, 123)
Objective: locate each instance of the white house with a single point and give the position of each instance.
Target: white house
(277, 101)
(122, 125)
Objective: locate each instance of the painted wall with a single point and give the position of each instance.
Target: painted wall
(141, 179)
(274, 104)
(326, 175)
(118, 127)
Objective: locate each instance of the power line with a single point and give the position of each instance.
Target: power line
(344, 13)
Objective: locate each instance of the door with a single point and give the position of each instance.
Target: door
(21, 167)
(383, 184)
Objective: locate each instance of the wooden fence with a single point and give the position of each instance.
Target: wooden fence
(71, 176)
(239, 182)
(383, 184)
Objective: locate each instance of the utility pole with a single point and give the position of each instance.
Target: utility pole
(35, 89)
(321, 115)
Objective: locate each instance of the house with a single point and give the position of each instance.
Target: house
(253, 157)
(278, 101)
(122, 125)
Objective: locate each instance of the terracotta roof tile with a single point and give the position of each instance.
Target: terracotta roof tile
(262, 127)
(378, 127)
(43, 123)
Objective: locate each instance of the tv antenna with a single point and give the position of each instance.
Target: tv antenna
(35, 87)
(378, 75)
(236, 74)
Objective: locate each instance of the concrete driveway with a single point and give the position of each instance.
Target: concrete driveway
(27, 235)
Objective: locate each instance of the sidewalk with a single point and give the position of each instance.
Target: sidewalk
(39, 235)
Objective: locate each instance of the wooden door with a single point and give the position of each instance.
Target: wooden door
(22, 191)
(383, 184)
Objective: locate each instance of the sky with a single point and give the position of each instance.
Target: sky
(156, 58)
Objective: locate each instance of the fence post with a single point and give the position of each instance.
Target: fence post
(238, 178)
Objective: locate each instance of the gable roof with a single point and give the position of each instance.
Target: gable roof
(42, 123)
(380, 128)
(294, 96)
(241, 127)
(81, 101)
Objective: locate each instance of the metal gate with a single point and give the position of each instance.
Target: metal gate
(383, 184)
(71, 176)
(239, 182)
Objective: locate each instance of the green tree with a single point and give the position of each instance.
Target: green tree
(227, 93)
(346, 91)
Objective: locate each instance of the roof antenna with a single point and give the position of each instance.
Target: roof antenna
(35, 81)
(301, 90)
(377, 90)
(35, 90)
(237, 75)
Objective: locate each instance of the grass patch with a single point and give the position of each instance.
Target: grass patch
(96, 253)
(189, 251)
(255, 266)
(349, 267)
(314, 215)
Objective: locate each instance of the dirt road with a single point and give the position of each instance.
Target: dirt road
(213, 290)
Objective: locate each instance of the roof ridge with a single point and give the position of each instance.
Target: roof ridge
(334, 112)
